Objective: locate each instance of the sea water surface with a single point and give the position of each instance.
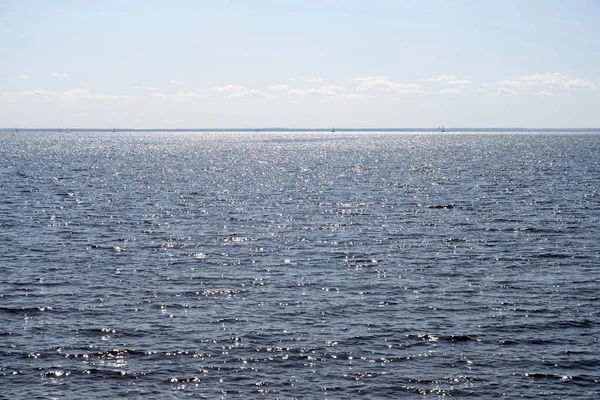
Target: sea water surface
(298, 265)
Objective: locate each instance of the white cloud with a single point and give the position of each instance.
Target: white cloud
(458, 82)
(174, 82)
(23, 76)
(247, 93)
(356, 96)
(545, 93)
(314, 80)
(152, 88)
(516, 83)
(73, 94)
(178, 96)
(312, 92)
(503, 92)
(555, 80)
(328, 91)
(578, 83)
(233, 91)
(384, 84)
(335, 88)
(59, 74)
(452, 91)
(279, 88)
(448, 80)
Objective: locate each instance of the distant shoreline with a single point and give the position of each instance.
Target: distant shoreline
(337, 130)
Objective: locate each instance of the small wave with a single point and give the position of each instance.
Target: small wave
(541, 375)
(447, 338)
(362, 375)
(228, 320)
(446, 207)
(171, 244)
(284, 349)
(235, 239)
(18, 310)
(553, 255)
(199, 256)
(509, 342)
(220, 292)
(464, 240)
(104, 373)
(459, 338)
(331, 388)
(185, 380)
(55, 374)
(112, 353)
(237, 219)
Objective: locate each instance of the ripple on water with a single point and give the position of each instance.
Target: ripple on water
(299, 265)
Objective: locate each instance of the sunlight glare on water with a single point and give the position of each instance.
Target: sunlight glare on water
(299, 265)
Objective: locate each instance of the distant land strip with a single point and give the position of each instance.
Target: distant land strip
(337, 130)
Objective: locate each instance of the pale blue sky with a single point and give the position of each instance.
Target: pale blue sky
(376, 63)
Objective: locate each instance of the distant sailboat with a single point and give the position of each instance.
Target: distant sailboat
(67, 131)
(114, 129)
(333, 129)
(442, 129)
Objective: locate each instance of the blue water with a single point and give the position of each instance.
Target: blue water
(299, 265)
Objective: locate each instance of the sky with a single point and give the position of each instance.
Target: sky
(299, 64)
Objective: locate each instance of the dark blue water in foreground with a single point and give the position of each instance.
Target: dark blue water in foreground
(299, 265)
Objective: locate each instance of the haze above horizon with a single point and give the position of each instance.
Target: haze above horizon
(299, 64)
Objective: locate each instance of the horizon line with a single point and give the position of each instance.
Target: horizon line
(333, 129)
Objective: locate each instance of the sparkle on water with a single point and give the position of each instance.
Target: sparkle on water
(299, 265)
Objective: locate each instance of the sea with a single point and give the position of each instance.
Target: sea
(299, 265)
